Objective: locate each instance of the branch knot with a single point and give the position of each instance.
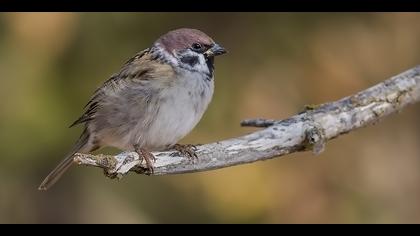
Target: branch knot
(315, 137)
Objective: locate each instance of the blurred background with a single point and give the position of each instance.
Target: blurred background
(50, 63)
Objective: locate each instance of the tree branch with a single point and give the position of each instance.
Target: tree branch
(308, 130)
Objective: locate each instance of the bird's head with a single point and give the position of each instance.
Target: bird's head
(191, 49)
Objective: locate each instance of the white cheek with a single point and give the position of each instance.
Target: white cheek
(199, 67)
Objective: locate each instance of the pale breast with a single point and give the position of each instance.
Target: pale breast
(180, 109)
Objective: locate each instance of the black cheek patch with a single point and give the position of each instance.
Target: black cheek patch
(190, 60)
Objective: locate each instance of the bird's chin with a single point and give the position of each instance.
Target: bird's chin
(210, 65)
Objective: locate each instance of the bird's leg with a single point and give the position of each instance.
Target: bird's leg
(187, 150)
(147, 156)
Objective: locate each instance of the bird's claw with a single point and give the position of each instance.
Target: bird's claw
(148, 157)
(187, 150)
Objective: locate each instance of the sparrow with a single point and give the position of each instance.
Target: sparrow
(157, 97)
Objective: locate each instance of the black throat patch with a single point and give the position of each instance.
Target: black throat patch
(210, 65)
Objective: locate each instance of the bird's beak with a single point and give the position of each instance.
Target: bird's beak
(215, 50)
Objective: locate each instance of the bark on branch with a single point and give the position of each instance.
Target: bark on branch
(308, 130)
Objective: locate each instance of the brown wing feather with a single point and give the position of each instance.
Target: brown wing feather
(94, 102)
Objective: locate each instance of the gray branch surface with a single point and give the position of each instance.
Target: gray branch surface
(308, 130)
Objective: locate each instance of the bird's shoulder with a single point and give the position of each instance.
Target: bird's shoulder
(146, 65)
(143, 66)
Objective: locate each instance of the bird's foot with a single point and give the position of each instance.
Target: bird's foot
(148, 157)
(187, 150)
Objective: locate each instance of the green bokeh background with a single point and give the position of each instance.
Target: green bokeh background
(50, 63)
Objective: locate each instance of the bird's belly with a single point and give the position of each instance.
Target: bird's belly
(173, 122)
(179, 112)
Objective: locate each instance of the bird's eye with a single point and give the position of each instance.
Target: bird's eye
(197, 46)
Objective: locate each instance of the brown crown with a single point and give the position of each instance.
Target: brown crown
(180, 39)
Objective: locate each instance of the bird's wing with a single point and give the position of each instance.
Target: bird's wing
(131, 68)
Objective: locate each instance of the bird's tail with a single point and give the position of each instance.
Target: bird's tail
(82, 145)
